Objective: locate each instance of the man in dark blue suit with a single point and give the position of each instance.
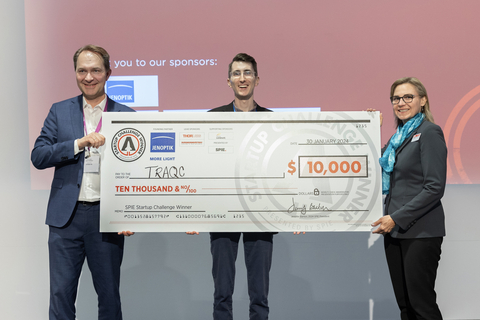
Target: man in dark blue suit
(258, 246)
(72, 143)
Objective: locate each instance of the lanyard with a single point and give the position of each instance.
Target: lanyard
(99, 126)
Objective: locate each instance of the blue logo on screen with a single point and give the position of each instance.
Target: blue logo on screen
(121, 90)
(162, 142)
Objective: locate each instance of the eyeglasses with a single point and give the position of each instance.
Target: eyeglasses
(406, 98)
(246, 74)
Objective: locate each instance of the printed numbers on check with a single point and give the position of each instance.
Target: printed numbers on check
(333, 166)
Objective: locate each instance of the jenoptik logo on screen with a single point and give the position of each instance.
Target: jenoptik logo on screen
(121, 91)
(133, 91)
(162, 142)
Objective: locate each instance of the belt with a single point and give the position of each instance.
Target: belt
(88, 203)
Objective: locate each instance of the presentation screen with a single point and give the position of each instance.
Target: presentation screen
(173, 55)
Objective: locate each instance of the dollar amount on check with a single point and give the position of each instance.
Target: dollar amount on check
(235, 172)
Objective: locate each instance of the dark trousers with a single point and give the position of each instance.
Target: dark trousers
(258, 247)
(68, 247)
(413, 267)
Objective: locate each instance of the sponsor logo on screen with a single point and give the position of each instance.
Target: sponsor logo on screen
(128, 144)
(121, 91)
(133, 91)
(162, 142)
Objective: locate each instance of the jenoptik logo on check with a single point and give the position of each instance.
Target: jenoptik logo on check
(121, 91)
(162, 142)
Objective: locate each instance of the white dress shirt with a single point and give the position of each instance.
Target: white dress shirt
(90, 188)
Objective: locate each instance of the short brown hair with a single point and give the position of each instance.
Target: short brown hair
(243, 57)
(98, 51)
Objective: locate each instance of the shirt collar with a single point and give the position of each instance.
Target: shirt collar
(238, 110)
(100, 106)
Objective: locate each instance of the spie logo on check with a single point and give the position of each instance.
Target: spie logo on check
(162, 142)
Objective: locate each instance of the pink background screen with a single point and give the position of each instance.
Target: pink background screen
(336, 55)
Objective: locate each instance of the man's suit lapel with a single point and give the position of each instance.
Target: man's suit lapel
(76, 111)
(230, 107)
(110, 105)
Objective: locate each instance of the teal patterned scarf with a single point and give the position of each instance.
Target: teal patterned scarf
(387, 161)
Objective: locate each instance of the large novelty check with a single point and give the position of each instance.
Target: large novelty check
(176, 172)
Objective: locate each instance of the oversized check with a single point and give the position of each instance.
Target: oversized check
(225, 171)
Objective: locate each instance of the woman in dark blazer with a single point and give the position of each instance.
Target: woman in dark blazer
(414, 169)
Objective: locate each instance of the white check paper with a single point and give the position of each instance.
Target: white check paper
(177, 172)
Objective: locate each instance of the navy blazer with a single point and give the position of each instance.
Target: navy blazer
(417, 184)
(229, 108)
(55, 148)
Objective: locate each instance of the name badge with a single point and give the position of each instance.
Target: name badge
(416, 137)
(92, 162)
